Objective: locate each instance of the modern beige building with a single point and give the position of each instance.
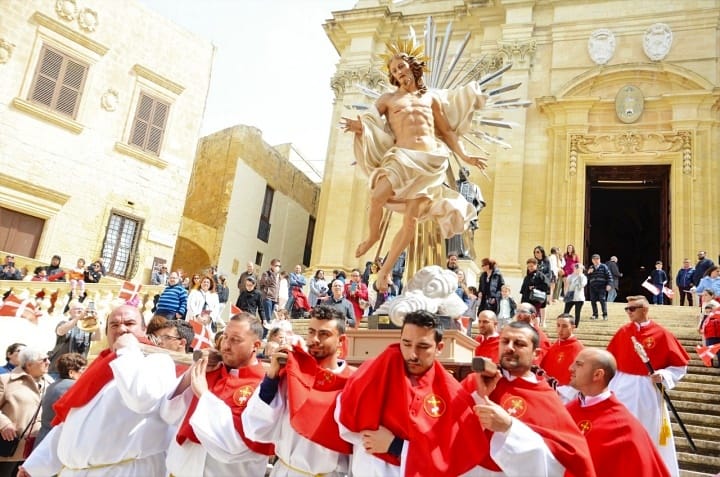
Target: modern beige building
(246, 202)
(617, 155)
(99, 122)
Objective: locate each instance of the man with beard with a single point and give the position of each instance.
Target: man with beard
(556, 362)
(210, 399)
(530, 431)
(488, 337)
(109, 423)
(293, 406)
(406, 415)
(609, 428)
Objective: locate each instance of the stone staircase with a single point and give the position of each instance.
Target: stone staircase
(696, 397)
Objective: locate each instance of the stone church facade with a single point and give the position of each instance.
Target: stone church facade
(616, 155)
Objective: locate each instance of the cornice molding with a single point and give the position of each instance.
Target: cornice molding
(53, 25)
(159, 80)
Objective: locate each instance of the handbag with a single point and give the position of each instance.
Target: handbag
(538, 296)
(8, 448)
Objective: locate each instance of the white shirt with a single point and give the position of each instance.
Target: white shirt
(119, 432)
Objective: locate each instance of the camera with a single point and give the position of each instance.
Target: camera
(484, 365)
(90, 311)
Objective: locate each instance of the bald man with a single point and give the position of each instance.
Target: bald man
(610, 429)
(488, 337)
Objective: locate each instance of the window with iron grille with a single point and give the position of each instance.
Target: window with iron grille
(58, 82)
(148, 125)
(119, 252)
(264, 227)
(309, 236)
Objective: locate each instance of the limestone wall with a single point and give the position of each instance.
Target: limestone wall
(85, 162)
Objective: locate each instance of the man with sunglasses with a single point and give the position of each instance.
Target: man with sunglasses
(632, 385)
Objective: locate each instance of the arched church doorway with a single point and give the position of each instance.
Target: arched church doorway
(627, 214)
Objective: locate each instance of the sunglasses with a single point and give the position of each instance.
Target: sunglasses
(632, 308)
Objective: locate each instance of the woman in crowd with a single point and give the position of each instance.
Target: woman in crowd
(12, 357)
(70, 366)
(556, 267)
(283, 290)
(571, 258)
(21, 392)
(575, 291)
(490, 285)
(461, 290)
(710, 281)
(318, 288)
(203, 304)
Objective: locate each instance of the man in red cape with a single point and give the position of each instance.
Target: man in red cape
(488, 337)
(406, 415)
(109, 423)
(635, 388)
(210, 399)
(609, 428)
(561, 354)
(530, 431)
(293, 406)
(527, 313)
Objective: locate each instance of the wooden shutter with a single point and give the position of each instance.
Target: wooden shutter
(149, 124)
(58, 82)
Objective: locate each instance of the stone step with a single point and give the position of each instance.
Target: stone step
(690, 396)
(703, 446)
(697, 432)
(691, 385)
(690, 473)
(690, 418)
(699, 463)
(694, 407)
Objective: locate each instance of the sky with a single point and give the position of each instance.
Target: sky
(272, 69)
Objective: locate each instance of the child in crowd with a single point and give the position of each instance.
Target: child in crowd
(506, 307)
(659, 278)
(77, 278)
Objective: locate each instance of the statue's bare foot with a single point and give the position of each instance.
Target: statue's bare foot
(364, 247)
(383, 281)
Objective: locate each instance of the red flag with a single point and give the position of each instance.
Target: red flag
(707, 353)
(669, 292)
(234, 310)
(202, 337)
(15, 307)
(129, 291)
(650, 287)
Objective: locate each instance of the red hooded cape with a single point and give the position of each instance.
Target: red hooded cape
(235, 392)
(538, 406)
(436, 417)
(312, 392)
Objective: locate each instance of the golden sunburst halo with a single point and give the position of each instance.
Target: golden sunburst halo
(407, 47)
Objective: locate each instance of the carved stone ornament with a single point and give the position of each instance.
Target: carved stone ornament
(657, 41)
(629, 103)
(601, 46)
(368, 77)
(6, 49)
(517, 50)
(88, 20)
(109, 100)
(631, 143)
(66, 9)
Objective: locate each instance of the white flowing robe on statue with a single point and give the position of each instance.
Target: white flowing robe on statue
(418, 174)
(221, 451)
(297, 455)
(644, 401)
(119, 433)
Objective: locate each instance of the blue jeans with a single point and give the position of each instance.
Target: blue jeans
(269, 307)
(612, 294)
(658, 299)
